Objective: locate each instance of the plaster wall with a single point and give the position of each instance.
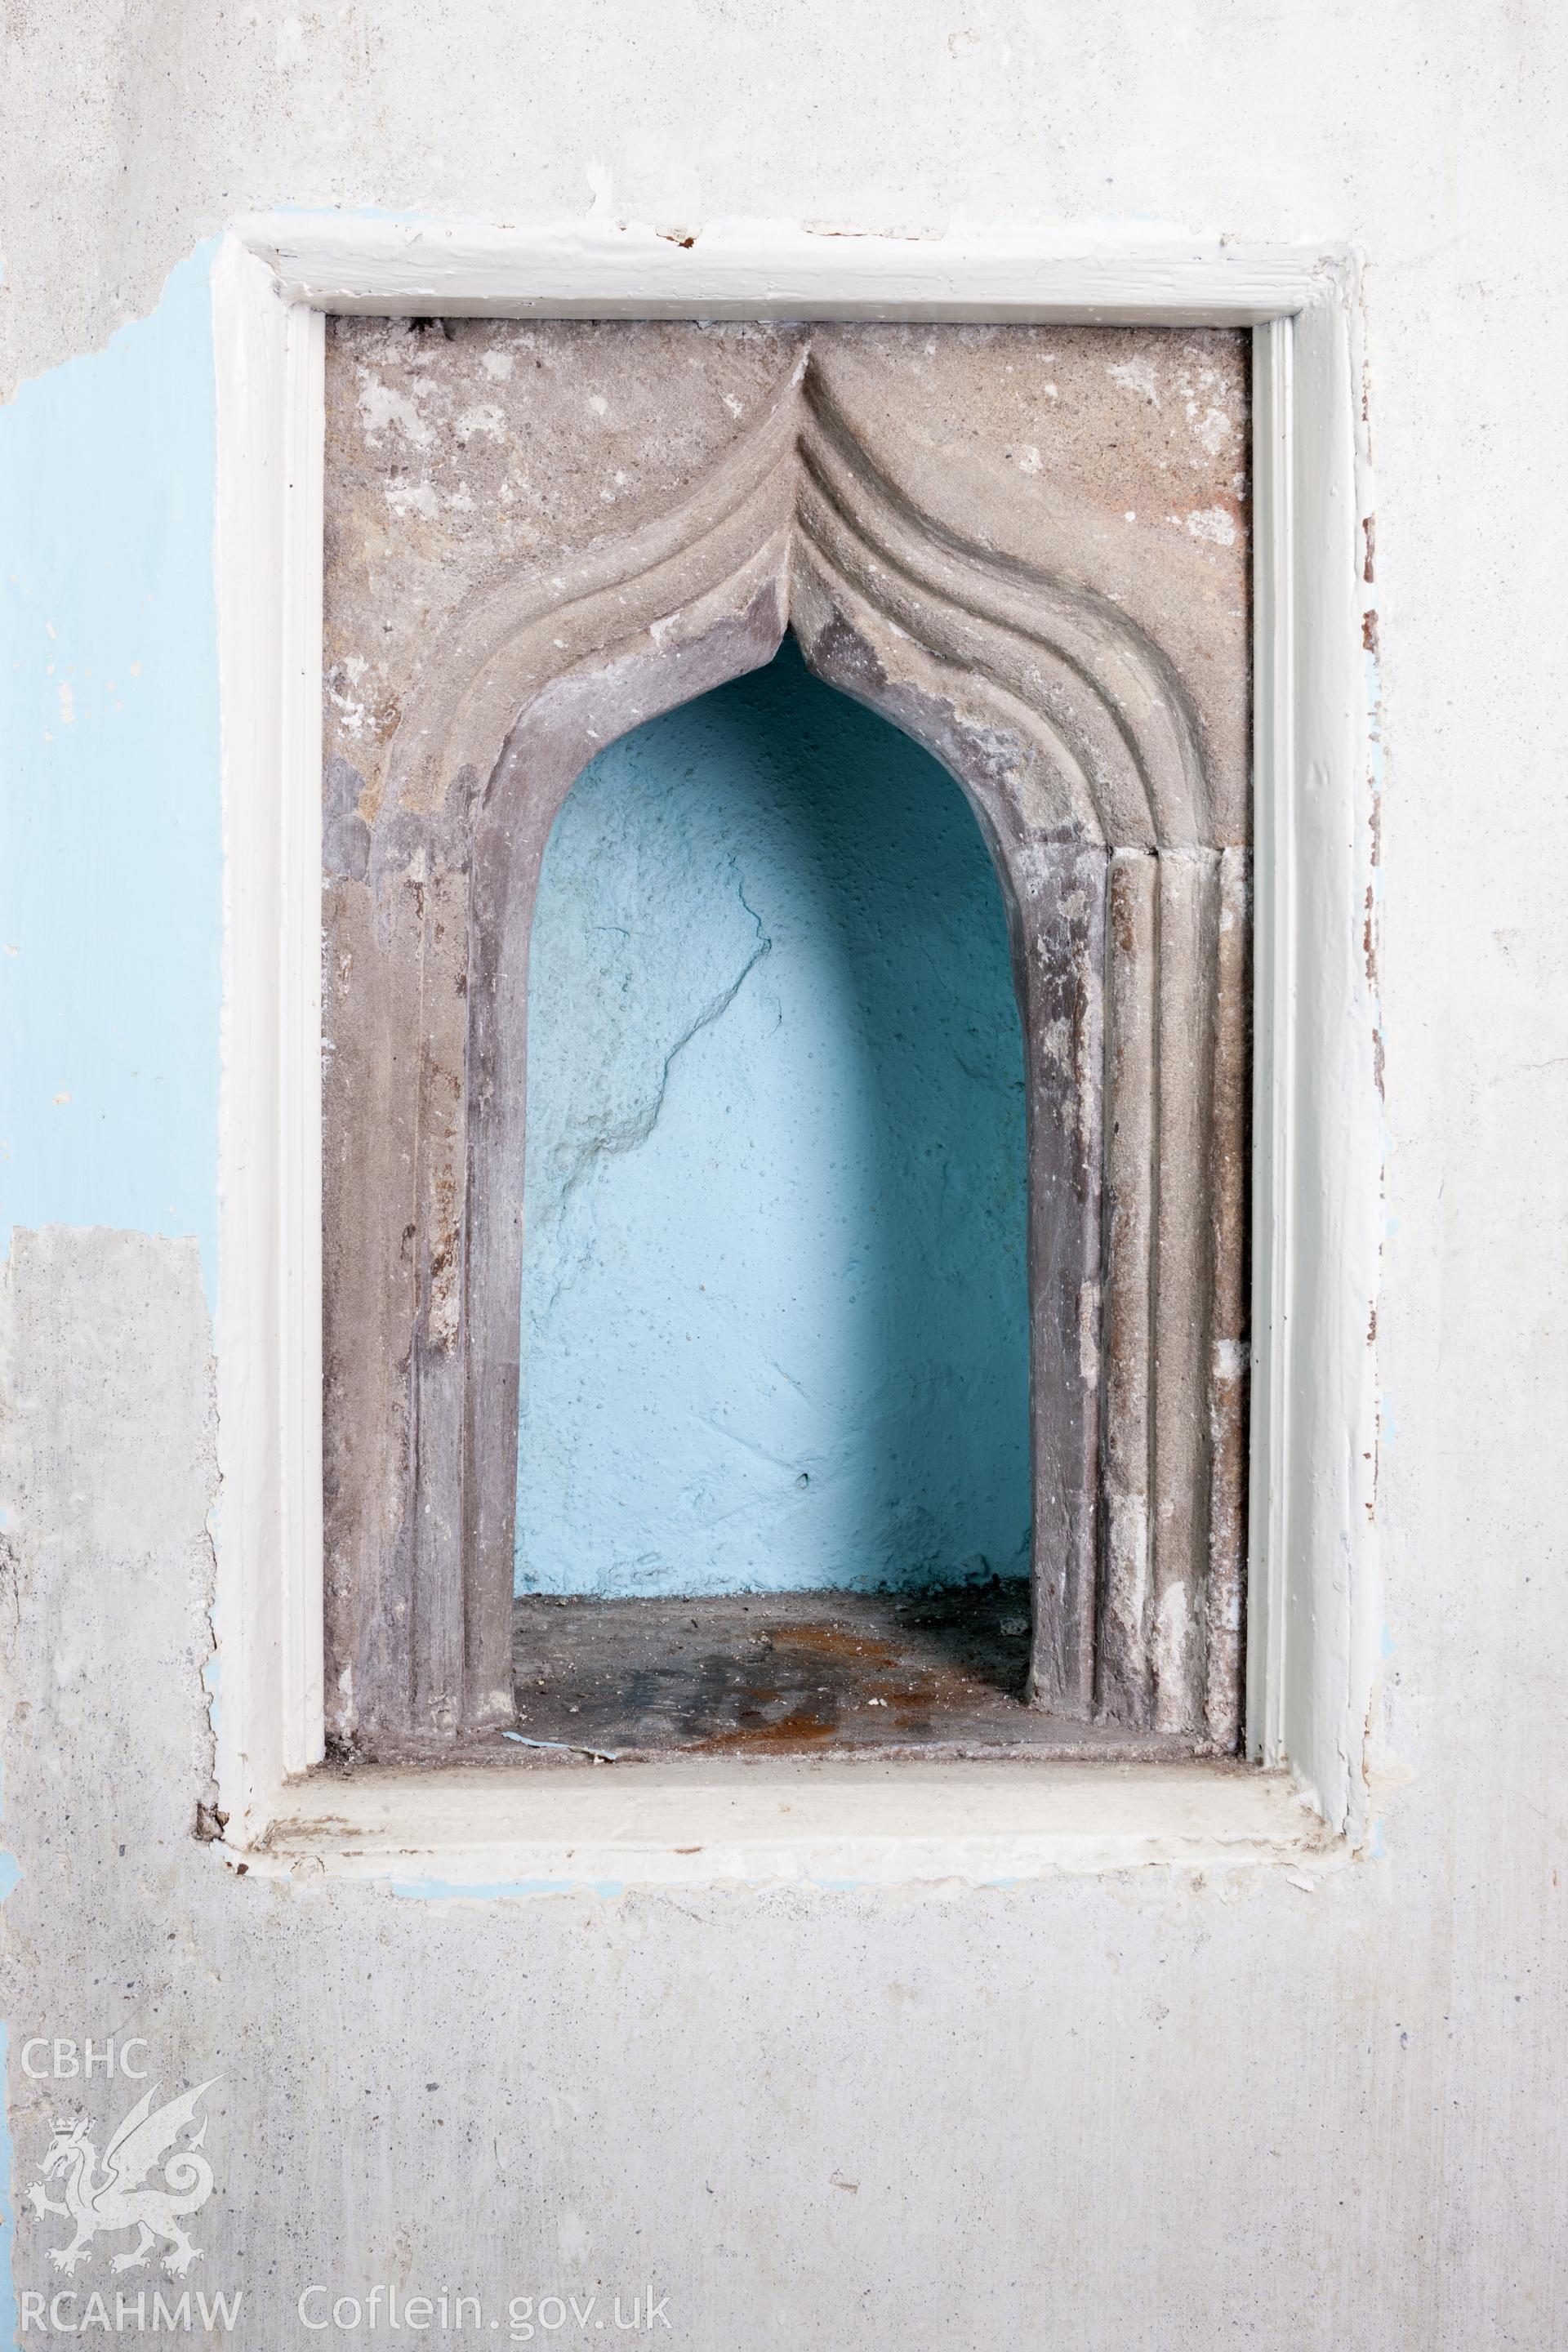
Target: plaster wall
(1159, 2109)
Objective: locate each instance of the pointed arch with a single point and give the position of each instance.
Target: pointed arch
(1071, 735)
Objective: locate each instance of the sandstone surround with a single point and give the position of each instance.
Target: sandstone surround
(1027, 548)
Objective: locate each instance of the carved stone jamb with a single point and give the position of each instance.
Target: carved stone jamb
(1071, 734)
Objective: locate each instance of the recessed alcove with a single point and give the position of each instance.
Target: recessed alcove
(887, 1001)
(774, 1318)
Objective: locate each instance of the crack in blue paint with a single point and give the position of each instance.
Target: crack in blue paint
(774, 1303)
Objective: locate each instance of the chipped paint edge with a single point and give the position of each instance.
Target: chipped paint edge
(266, 1617)
(1313, 1583)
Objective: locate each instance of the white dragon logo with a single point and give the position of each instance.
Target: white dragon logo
(117, 2197)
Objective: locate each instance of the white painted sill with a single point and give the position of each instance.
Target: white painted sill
(480, 1832)
(1313, 1607)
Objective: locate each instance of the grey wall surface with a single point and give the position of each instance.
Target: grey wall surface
(1131, 2112)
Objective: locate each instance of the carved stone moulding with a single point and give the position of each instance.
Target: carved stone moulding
(1095, 717)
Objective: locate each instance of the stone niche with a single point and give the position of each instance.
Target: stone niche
(1027, 550)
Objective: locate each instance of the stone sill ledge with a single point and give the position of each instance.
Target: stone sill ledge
(477, 1833)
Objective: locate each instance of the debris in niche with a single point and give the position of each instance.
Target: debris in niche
(566, 1747)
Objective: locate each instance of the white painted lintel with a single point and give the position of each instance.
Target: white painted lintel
(599, 269)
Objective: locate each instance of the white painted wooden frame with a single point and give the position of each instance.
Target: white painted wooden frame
(1314, 1586)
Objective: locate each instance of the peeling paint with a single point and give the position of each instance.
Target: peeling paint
(114, 815)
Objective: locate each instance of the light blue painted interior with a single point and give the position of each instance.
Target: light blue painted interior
(110, 888)
(774, 1319)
